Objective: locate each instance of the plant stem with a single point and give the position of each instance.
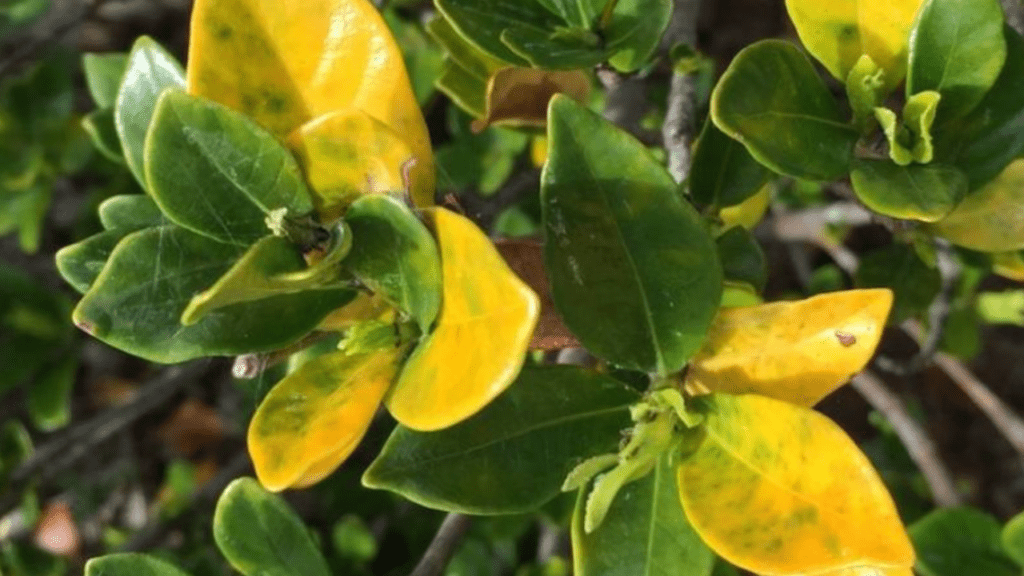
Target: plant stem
(444, 545)
(679, 126)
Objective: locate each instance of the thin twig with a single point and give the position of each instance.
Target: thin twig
(444, 545)
(919, 444)
(66, 450)
(679, 127)
(1014, 14)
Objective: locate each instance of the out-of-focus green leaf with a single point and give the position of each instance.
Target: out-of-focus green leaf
(1002, 307)
(261, 536)
(958, 541)
(742, 258)
(130, 564)
(1013, 538)
(898, 267)
(49, 397)
(103, 74)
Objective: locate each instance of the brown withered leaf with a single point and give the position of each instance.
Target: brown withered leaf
(57, 532)
(526, 258)
(520, 96)
(192, 427)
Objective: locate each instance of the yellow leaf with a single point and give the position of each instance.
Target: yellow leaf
(286, 62)
(793, 351)
(362, 307)
(1009, 265)
(477, 348)
(314, 417)
(749, 212)
(838, 32)
(539, 151)
(347, 154)
(779, 489)
(520, 96)
(861, 571)
(990, 219)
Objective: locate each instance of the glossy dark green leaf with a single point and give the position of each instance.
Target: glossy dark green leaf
(216, 172)
(149, 72)
(960, 541)
(634, 273)
(635, 31)
(130, 212)
(393, 253)
(99, 125)
(898, 267)
(261, 536)
(461, 51)
(645, 532)
(995, 129)
(957, 48)
(925, 192)
(130, 565)
(49, 396)
(137, 301)
(1013, 538)
(82, 262)
(467, 91)
(103, 74)
(482, 22)
(723, 173)
(514, 454)
(543, 49)
(742, 258)
(772, 100)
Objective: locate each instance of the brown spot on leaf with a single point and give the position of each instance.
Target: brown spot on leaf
(845, 338)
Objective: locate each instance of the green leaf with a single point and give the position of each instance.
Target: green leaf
(633, 271)
(995, 129)
(34, 324)
(551, 50)
(989, 219)
(462, 52)
(216, 172)
(393, 253)
(270, 267)
(773, 101)
(481, 22)
(467, 91)
(898, 267)
(103, 74)
(130, 565)
(742, 258)
(149, 72)
(914, 192)
(958, 541)
(99, 125)
(635, 31)
(82, 262)
(130, 212)
(353, 540)
(484, 160)
(1006, 307)
(513, 455)
(15, 447)
(136, 302)
(919, 115)
(645, 532)
(261, 536)
(49, 397)
(864, 90)
(724, 173)
(1013, 538)
(957, 48)
(25, 559)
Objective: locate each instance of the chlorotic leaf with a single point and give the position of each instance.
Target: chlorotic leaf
(478, 345)
(513, 455)
(749, 212)
(286, 64)
(957, 48)
(915, 192)
(260, 535)
(394, 254)
(837, 33)
(150, 71)
(313, 419)
(771, 99)
(634, 273)
(956, 541)
(989, 219)
(775, 488)
(794, 351)
(130, 564)
(215, 172)
(348, 154)
(644, 532)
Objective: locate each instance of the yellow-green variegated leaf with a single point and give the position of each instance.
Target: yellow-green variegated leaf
(287, 62)
(990, 219)
(779, 489)
(793, 351)
(839, 32)
(348, 154)
(314, 418)
(477, 347)
(862, 571)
